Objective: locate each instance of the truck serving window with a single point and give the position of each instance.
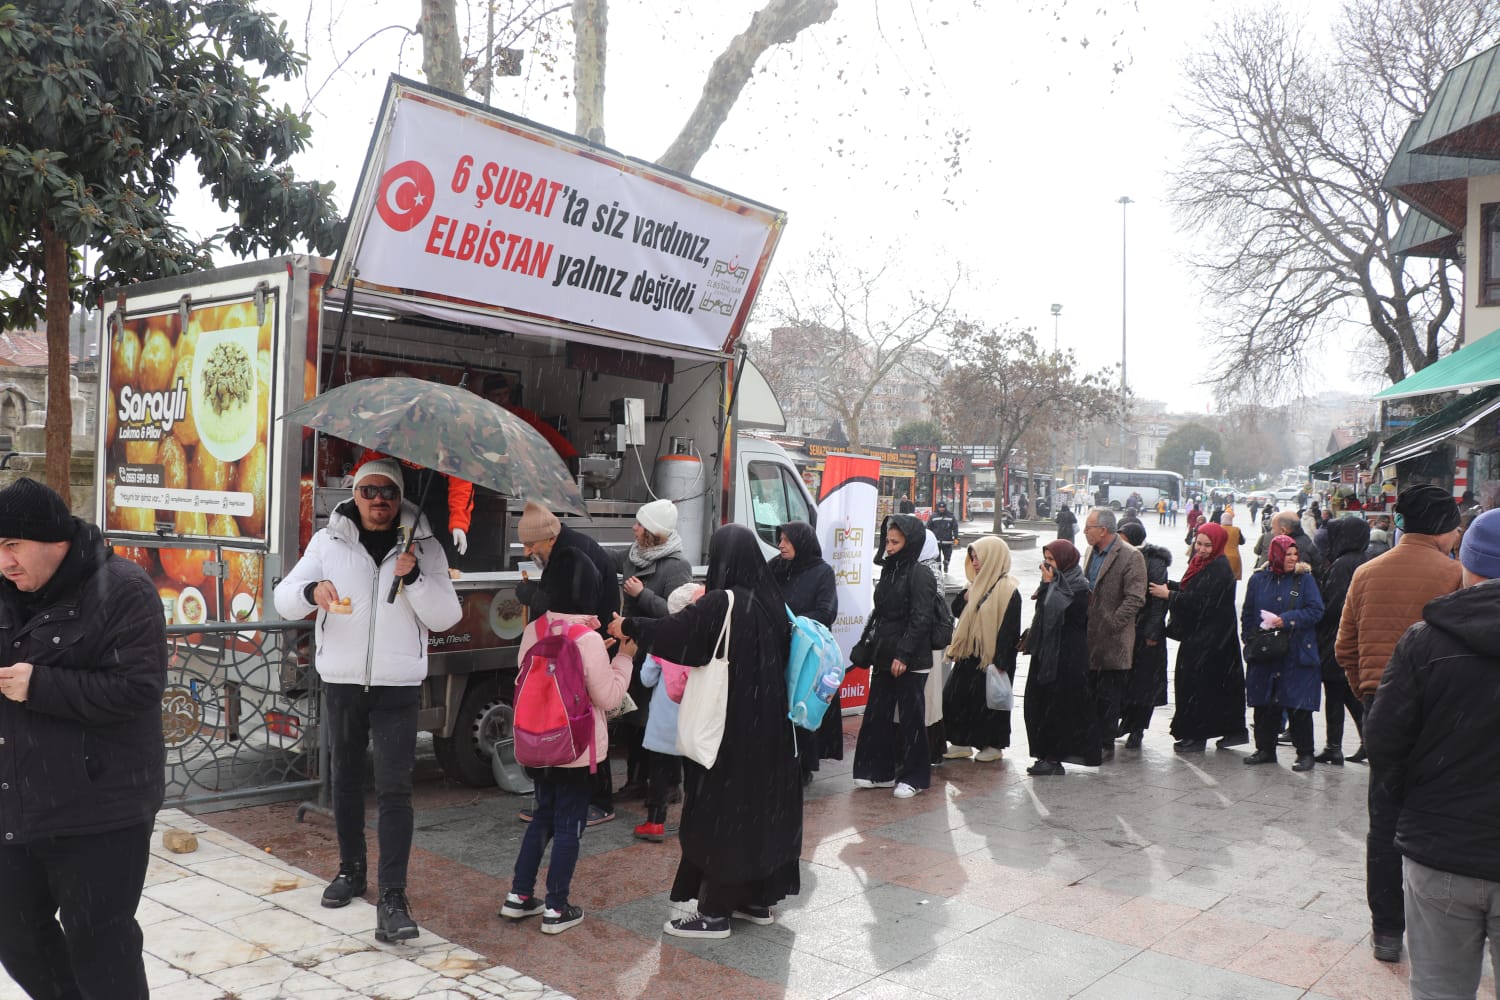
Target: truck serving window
(775, 499)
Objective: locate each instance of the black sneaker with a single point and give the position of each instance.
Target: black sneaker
(519, 907)
(557, 921)
(698, 926)
(348, 883)
(393, 920)
(1133, 741)
(758, 915)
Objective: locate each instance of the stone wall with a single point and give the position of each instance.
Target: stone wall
(81, 479)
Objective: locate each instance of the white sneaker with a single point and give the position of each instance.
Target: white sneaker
(988, 754)
(867, 783)
(905, 791)
(958, 753)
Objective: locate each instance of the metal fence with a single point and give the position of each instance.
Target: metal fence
(241, 712)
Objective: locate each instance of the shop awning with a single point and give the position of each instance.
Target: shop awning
(1352, 455)
(1464, 116)
(1476, 364)
(1431, 431)
(1419, 236)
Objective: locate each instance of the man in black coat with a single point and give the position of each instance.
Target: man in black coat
(82, 762)
(944, 528)
(1430, 729)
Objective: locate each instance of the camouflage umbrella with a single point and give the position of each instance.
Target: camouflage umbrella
(448, 429)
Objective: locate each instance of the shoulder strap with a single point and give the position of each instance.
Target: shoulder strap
(722, 643)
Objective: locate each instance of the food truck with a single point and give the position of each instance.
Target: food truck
(588, 292)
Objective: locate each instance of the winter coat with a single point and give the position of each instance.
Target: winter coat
(1297, 680)
(1232, 549)
(605, 677)
(661, 722)
(376, 643)
(1067, 525)
(809, 589)
(1209, 677)
(1431, 733)
(1148, 678)
(1380, 543)
(658, 580)
(84, 753)
(742, 818)
(1386, 596)
(609, 579)
(1348, 540)
(944, 527)
(1061, 721)
(1117, 596)
(904, 600)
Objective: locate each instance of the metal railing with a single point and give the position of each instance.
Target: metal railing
(241, 712)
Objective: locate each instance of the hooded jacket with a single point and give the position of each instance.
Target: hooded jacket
(376, 643)
(1386, 596)
(904, 599)
(1348, 538)
(807, 582)
(1431, 730)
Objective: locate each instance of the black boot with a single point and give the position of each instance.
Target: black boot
(393, 920)
(348, 883)
(1330, 756)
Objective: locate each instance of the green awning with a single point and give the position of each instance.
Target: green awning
(1352, 455)
(1464, 116)
(1436, 186)
(1435, 428)
(1419, 236)
(1475, 365)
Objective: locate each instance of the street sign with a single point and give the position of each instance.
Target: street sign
(1202, 457)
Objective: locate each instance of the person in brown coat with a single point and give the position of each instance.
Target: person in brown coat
(1386, 597)
(1116, 572)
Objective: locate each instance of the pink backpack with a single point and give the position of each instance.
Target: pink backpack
(553, 716)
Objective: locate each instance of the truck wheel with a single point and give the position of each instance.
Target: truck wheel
(483, 720)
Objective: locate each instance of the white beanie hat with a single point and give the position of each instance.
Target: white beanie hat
(387, 467)
(658, 517)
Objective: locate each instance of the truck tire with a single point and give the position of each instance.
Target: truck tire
(483, 720)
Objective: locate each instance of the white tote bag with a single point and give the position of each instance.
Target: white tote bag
(705, 702)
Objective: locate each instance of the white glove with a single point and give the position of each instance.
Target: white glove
(460, 541)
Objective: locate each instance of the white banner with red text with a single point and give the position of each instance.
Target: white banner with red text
(846, 532)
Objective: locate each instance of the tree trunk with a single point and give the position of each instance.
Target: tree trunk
(590, 30)
(441, 61)
(777, 23)
(56, 275)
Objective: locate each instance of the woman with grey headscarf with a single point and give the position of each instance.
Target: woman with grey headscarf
(1061, 723)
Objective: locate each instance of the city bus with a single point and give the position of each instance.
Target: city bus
(981, 488)
(1111, 486)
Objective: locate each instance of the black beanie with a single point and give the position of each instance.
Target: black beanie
(571, 583)
(1134, 532)
(29, 509)
(1427, 510)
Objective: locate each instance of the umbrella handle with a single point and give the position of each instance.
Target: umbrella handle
(404, 544)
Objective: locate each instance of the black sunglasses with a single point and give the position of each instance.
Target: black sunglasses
(383, 492)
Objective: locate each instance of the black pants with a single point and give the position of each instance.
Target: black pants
(892, 741)
(1337, 697)
(664, 772)
(92, 885)
(1268, 727)
(389, 716)
(1107, 689)
(1383, 888)
(945, 550)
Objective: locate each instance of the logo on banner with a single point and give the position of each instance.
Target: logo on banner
(406, 193)
(722, 291)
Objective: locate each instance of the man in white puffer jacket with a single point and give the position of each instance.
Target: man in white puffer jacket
(372, 658)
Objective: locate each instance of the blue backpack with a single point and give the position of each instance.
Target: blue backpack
(814, 671)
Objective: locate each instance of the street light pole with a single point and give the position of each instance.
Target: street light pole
(1125, 203)
(1056, 312)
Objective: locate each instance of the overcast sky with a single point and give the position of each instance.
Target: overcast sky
(846, 131)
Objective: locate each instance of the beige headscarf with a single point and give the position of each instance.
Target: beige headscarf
(990, 590)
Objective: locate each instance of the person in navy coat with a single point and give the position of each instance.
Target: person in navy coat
(1284, 595)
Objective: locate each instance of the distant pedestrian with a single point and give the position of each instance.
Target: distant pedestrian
(571, 586)
(906, 506)
(1172, 512)
(1116, 572)
(1235, 540)
(1210, 678)
(1386, 597)
(1023, 505)
(1161, 510)
(741, 829)
(944, 528)
(1283, 596)
(986, 632)
(1067, 524)
(1431, 732)
(1147, 686)
(1061, 724)
(84, 668)
(1254, 506)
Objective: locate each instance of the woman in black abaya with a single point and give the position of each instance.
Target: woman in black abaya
(809, 588)
(1061, 723)
(741, 832)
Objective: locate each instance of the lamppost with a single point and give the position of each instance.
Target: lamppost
(1125, 203)
(1056, 312)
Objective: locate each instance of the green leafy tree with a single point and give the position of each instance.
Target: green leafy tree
(917, 434)
(1002, 387)
(1176, 452)
(101, 103)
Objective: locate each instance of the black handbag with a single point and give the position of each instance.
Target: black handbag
(862, 653)
(1270, 645)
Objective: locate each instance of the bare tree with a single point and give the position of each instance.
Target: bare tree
(1287, 147)
(1002, 388)
(845, 338)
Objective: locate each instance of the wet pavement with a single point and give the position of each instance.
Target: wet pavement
(1154, 876)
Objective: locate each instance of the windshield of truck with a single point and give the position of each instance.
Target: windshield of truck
(775, 499)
